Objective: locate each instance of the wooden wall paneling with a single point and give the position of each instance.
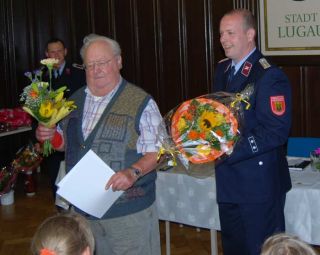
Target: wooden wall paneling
(41, 22)
(312, 102)
(147, 42)
(82, 24)
(104, 17)
(171, 87)
(295, 76)
(125, 34)
(209, 39)
(6, 48)
(22, 36)
(196, 39)
(63, 27)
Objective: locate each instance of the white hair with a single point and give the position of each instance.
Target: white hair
(93, 38)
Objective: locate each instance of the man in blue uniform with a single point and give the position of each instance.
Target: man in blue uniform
(64, 74)
(252, 182)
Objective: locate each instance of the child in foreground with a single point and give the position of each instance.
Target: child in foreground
(63, 234)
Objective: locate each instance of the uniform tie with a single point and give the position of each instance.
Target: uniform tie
(231, 75)
(56, 73)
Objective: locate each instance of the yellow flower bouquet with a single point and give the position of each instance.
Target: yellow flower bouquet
(47, 106)
(201, 130)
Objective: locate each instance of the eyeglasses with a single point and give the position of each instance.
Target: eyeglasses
(98, 64)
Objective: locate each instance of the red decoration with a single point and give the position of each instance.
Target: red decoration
(56, 140)
(15, 117)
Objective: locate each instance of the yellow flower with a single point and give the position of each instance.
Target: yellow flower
(181, 124)
(209, 120)
(46, 109)
(203, 149)
(49, 61)
(59, 97)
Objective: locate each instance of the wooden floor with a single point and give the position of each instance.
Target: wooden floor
(19, 221)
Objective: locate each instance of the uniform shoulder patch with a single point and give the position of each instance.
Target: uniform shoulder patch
(222, 60)
(265, 64)
(278, 105)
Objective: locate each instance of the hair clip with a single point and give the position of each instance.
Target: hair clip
(46, 251)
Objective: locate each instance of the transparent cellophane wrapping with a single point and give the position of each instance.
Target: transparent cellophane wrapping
(27, 158)
(200, 131)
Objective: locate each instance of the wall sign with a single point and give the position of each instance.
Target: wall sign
(290, 27)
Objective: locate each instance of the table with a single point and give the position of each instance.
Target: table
(15, 131)
(192, 201)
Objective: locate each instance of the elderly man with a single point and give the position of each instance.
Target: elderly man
(119, 122)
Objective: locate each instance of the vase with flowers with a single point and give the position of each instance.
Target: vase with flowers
(315, 159)
(8, 177)
(46, 105)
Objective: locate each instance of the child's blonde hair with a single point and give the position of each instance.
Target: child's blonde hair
(63, 234)
(284, 244)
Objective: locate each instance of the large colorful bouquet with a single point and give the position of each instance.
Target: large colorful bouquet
(47, 106)
(203, 129)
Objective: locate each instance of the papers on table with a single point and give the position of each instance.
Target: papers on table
(84, 186)
(296, 163)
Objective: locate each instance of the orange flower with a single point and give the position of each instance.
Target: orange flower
(193, 135)
(46, 251)
(34, 94)
(202, 135)
(219, 132)
(188, 116)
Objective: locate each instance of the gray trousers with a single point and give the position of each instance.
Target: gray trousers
(134, 234)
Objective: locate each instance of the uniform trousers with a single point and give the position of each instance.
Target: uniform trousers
(244, 227)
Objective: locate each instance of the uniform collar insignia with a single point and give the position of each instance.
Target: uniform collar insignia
(265, 64)
(246, 68)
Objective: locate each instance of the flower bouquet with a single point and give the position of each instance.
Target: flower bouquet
(27, 159)
(202, 130)
(315, 159)
(47, 106)
(8, 177)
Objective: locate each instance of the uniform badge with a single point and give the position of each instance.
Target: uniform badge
(265, 64)
(253, 144)
(246, 68)
(278, 105)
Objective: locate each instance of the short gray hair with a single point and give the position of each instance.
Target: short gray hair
(93, 38)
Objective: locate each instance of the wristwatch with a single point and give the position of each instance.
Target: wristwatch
(137, 173)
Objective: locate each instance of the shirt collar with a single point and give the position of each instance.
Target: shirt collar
(239, 64)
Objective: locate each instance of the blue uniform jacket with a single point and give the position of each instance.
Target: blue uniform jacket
(257, 170)
(72, 77)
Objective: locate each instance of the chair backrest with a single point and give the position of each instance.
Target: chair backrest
(302, 146)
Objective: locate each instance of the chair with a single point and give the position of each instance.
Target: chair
(302, 146)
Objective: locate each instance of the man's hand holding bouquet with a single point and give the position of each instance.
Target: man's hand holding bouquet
(202, 130)
(46, 105)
